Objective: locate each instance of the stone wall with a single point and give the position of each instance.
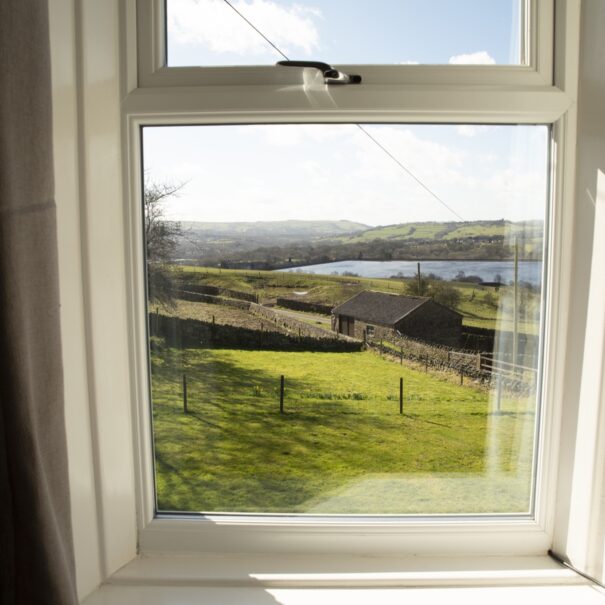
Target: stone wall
(302, 305)
(193, 333)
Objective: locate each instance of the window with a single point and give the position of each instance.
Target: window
(522, 94)
(261, 402)
(103, 303)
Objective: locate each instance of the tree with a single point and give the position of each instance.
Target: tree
(415, 287)
(161, 239)
(445, 294)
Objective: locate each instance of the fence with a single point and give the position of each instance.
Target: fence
(478, 365)
(328, 403)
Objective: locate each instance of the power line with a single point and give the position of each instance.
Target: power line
(380, 145)
(408, 171)
(258, 31)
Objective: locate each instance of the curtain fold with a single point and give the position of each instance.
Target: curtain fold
(36, 549)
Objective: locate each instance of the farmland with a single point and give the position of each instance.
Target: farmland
(479, 305)
(341, 446)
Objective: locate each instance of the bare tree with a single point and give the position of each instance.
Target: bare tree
(161, 239)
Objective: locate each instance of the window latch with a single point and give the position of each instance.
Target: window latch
(331, 75)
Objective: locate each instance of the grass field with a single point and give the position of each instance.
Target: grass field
(341, 446)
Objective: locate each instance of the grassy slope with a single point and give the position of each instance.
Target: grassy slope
(341, 446)
(447, 231)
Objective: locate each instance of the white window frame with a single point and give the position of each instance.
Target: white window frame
(414, 94)
(98, 105)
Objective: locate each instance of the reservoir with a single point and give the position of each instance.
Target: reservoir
(488, 270)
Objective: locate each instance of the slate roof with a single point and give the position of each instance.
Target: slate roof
(379, 307)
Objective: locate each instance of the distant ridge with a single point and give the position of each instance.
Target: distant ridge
(288, 227)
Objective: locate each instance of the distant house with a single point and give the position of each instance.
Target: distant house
(374, 315)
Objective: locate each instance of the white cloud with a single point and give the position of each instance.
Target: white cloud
(215, 26)
(481, 57)
(408, 63)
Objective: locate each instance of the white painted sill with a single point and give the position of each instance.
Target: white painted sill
(171, 579)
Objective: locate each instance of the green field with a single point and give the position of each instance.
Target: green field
(341, 446)
(526, 230)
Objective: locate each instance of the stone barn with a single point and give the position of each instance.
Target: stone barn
(373, 315)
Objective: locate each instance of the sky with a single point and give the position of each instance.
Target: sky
(334, 172)
(210, 32)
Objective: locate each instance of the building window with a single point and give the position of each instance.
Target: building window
(516, 97)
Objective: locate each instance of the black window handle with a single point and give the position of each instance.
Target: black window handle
(331, 75)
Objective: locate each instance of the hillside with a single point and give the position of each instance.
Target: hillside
(271, 245)
(202, 239)
(448, 231)
(290, 228)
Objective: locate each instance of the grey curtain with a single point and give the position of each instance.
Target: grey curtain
(36, 552)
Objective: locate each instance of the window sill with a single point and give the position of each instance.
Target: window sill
(162, 579)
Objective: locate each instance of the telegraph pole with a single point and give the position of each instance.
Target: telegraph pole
(516, 305)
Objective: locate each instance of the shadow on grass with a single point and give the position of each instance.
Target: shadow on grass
(235, 451)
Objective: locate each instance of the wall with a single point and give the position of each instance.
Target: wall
(433, 323)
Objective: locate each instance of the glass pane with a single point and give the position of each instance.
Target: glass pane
(393, 32)
(345, 319)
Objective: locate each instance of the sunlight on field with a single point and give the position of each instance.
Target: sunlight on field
(341, 446)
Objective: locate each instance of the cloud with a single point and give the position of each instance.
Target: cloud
(408, 63)
(311, 171)
(215, 26)
(481, 57)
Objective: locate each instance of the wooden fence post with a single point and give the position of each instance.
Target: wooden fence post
(401, 395)
(426, 363)
(400, 356)
(185, 410)
(461, 375)
(479, 361)
(281, 394)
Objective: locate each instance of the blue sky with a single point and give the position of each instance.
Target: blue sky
(209, 32)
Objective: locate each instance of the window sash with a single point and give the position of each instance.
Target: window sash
(537, 57)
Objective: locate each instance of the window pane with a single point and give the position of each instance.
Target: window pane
(261, 32)
(345, 319)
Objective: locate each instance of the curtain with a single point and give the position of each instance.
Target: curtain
(36, 551)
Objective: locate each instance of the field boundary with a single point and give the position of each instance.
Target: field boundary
(195, 333)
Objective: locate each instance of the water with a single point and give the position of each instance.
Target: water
(529, 271)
